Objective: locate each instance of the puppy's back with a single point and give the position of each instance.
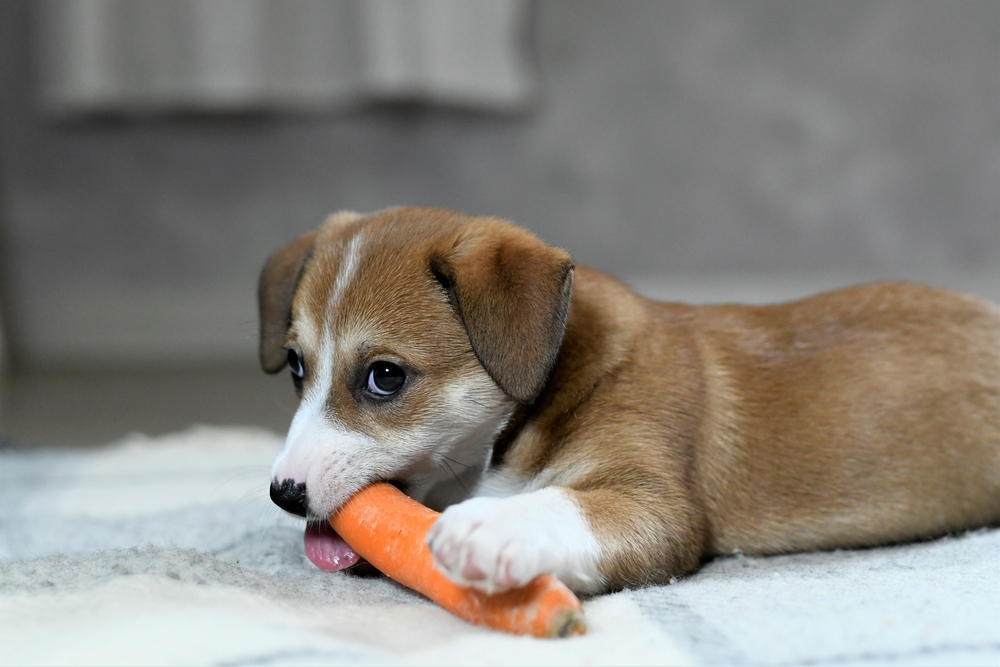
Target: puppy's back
(858, 417)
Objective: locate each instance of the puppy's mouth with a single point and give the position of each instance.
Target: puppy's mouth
(326, 549)
(329, 551)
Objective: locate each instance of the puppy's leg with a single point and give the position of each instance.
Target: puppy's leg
(496, 544)
(650, 531)
(593, 540)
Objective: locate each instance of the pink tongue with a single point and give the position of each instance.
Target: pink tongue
(326, 549)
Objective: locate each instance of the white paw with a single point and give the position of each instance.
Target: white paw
(491, 544)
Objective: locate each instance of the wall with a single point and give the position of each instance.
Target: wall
(764, 138)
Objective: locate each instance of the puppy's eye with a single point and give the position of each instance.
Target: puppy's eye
(385, 378)
(298, 368)
(295, 363)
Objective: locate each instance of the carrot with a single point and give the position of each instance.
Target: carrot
(389, 529)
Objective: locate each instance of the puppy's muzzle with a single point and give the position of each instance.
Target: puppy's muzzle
(290, 496)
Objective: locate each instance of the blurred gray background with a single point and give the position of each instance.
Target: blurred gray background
(703, 151)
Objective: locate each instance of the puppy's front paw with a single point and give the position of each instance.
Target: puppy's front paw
(487, 544)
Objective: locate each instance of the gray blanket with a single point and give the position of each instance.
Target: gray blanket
(167, 551)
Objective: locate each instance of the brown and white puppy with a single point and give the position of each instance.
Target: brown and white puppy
(608, 439)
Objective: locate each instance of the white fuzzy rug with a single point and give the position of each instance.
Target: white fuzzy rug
(167, 551)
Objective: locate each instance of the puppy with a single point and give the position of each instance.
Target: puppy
(566, 425)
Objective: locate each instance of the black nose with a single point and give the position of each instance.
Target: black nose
(289, 496)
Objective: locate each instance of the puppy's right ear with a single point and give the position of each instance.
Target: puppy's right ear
(513, 294)
(278, 282)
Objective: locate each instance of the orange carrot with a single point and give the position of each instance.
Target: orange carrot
(389, 529)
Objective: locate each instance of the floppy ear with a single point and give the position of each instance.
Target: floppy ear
(513, 294)
(278, 281)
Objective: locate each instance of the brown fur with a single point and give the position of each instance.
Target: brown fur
(864, 416)
(278, 282)
(491, 276)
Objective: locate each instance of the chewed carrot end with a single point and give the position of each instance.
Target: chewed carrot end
(568, 624)
(389, 530)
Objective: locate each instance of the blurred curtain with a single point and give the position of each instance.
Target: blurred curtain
(127, 56)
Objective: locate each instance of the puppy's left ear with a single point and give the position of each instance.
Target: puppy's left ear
(513, 294)
(278, 282)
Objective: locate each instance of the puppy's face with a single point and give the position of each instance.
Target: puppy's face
(393, 385)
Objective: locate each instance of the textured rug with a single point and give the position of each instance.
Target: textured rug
(167, 551)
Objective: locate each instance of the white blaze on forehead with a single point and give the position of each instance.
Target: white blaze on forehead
(349, 262)
(312, 409)
(330, 346)
(330, 459)
(309, 327)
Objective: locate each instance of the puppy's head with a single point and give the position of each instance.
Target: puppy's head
(411, 335)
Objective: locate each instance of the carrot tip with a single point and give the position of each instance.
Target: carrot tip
(569, 623)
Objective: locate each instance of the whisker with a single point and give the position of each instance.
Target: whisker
(465, 465)
(252, 495)
(246, 472)
(445, 463)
